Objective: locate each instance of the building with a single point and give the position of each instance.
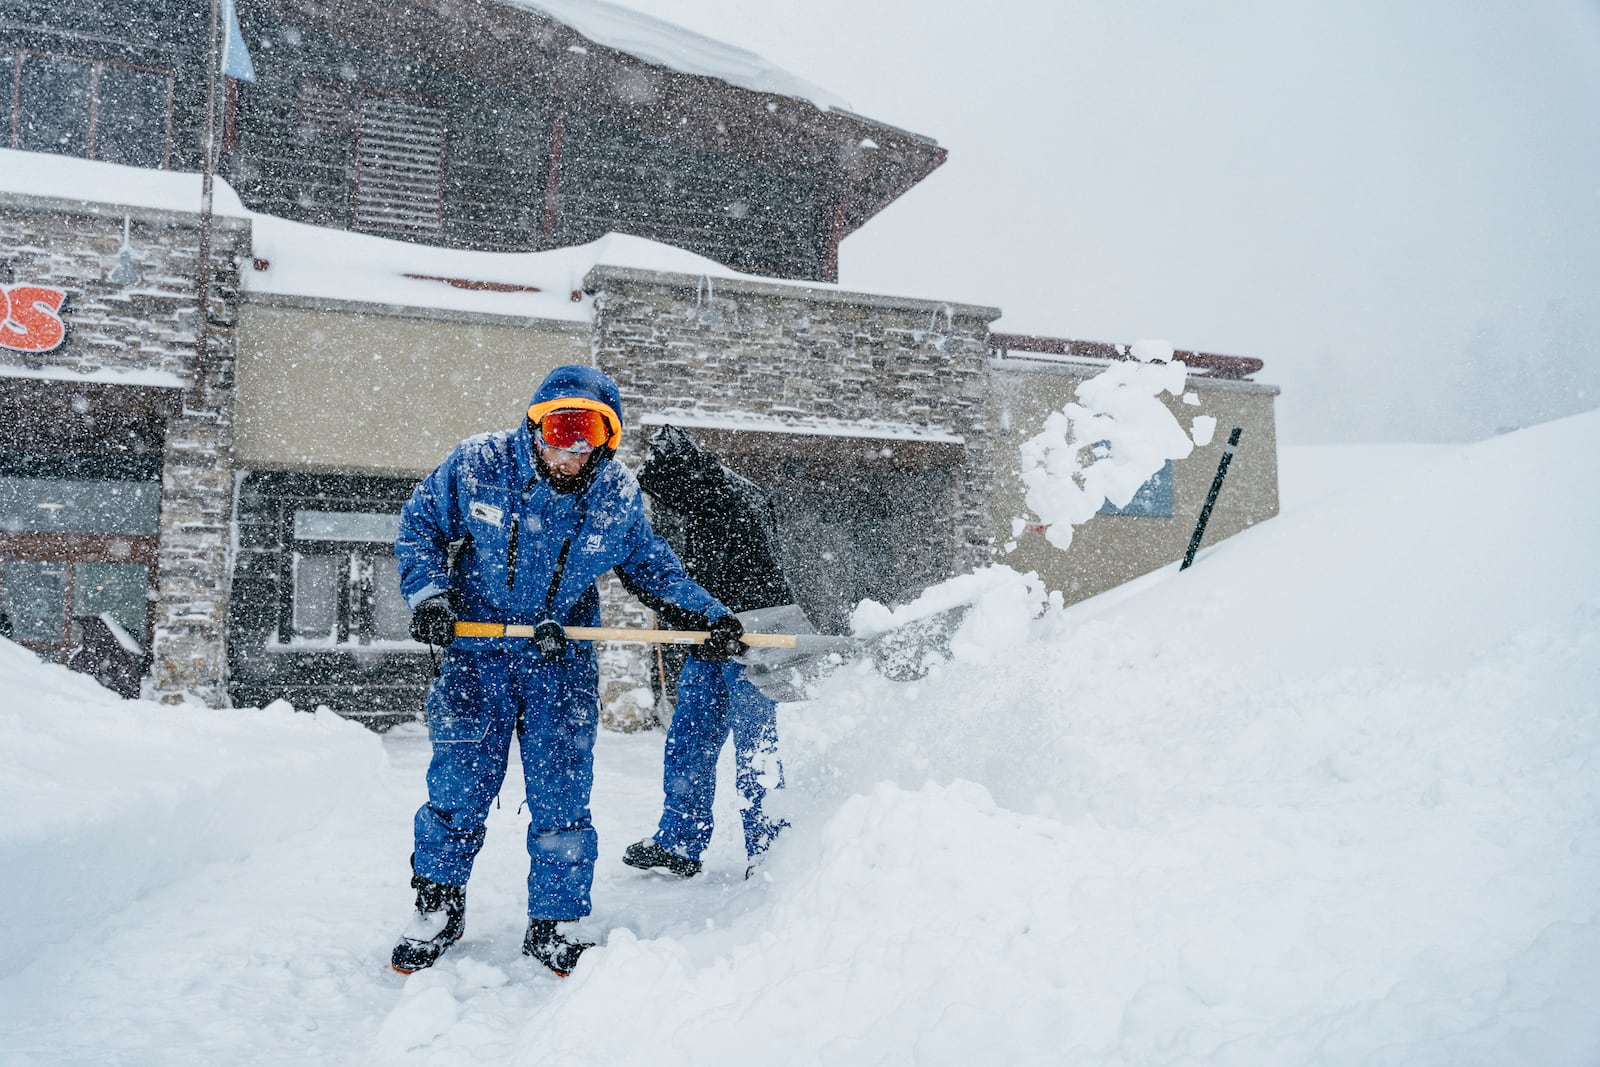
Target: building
(424, 207)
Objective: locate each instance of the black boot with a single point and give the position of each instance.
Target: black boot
(647, 855)
(547, 946)
(438, 922)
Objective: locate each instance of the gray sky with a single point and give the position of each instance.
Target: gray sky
(1395, 203)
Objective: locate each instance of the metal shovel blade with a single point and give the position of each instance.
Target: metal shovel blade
(904, 653)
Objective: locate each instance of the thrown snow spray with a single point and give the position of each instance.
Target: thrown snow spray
(1109, 444)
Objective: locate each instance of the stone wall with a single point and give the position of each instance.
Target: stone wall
(131, 319)
(797, 358)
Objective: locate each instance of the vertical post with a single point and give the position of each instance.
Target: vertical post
(552, 178)
(202, 344)
(1211, 497)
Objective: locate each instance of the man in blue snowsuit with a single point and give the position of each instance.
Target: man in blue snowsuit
(498, 549)
(727, 545)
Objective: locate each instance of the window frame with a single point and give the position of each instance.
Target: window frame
(355, 602)
(98, 66)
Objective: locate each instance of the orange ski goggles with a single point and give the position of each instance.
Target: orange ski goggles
(576, 424)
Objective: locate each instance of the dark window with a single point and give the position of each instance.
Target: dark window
(399, 163)
(90, 108)
(131, 122)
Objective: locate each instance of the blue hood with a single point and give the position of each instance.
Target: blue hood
(573, 380)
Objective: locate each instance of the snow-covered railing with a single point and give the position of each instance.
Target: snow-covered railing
(1237, 368)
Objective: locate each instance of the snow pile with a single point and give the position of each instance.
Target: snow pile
(103, 800)
(1166, 833)
(1109, 445)
(1332, 796)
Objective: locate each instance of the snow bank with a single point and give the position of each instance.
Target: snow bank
(1146, 829)
(1125, 835)
(102, 799)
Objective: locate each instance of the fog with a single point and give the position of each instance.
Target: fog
(1396, 206)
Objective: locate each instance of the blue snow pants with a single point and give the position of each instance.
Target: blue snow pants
(480, 697)
(715, 700)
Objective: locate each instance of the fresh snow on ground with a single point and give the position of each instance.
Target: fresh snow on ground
(1330, 797)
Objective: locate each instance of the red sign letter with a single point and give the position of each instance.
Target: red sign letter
(32, 320)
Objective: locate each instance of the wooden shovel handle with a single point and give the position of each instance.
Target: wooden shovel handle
(672, 637)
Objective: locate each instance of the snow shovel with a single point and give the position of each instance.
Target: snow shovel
(785, 665)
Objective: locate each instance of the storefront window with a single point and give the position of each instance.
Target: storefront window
(115, 589)
(35, 594)
(72, 506)
(346, 585)
(316, 596)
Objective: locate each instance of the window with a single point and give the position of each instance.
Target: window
(91, 108)
(79, 506)
(345, 585)
(1154, 498)
(43, 596)
(399, 163)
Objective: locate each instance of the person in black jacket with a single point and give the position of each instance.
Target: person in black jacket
(728, 547)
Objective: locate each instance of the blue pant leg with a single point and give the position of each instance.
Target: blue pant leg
(471, 712)
(754, 724)
(689, 770)
(560, 714)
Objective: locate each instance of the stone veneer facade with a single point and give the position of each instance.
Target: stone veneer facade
(140, 333)
(801, 359)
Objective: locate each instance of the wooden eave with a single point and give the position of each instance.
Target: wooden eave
(523, 50)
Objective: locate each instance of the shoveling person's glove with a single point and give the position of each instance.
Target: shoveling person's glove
(434, 622)
(724, 641)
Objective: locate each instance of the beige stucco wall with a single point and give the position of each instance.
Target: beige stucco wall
(380, 390)
(1111, 549)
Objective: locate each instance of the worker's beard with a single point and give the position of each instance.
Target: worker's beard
(562, 483)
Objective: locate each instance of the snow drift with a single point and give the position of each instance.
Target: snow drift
(104, 799)
(1332, 796)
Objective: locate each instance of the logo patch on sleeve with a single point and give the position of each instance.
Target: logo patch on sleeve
(487, 512)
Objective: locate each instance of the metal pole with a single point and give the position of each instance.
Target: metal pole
(202, 343)
(1211, 497)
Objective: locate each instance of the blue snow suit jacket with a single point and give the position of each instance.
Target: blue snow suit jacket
(487, 530)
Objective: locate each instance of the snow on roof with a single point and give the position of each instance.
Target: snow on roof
(664, 44)
(149, 378)
(316, 261)
(319, 262)
(71, 178)
(306, 260)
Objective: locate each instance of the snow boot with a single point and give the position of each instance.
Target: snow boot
(438, 923)
(547, 946)
(647, 855)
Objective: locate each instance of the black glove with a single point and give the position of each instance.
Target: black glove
(550, 638)
(723, 643)
(434, 622)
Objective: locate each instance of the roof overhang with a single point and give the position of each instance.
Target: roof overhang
(861, 166)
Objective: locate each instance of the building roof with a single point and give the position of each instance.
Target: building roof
(676, 86)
